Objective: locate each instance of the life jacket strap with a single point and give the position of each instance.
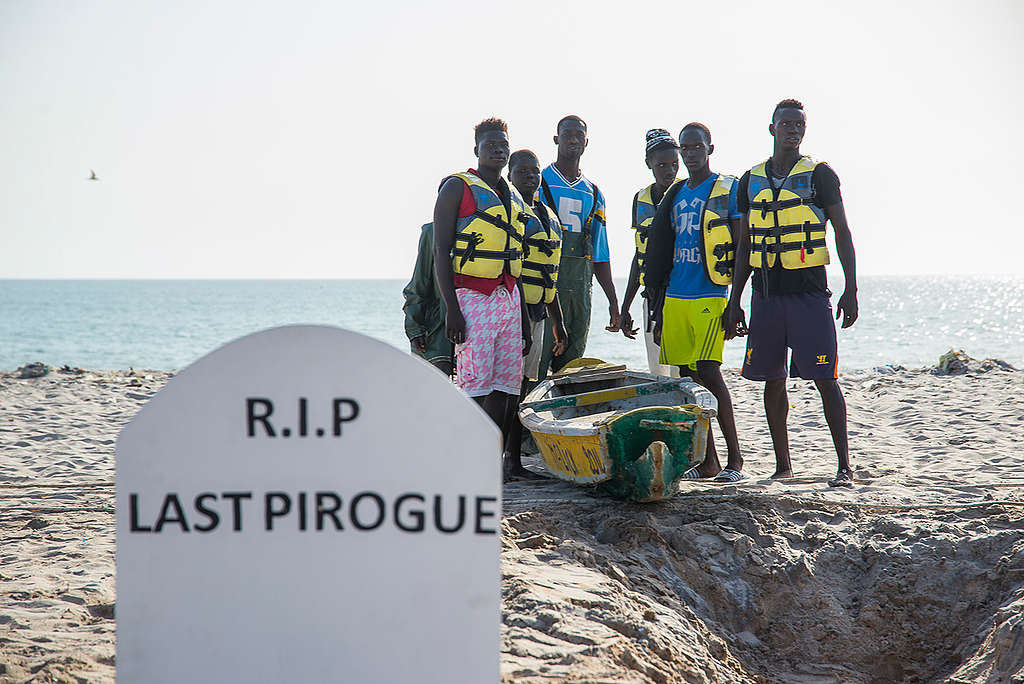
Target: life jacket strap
(545, 271)
(805, 227)
(546, 246)
(498, 223)
(779, 247)
(468, 253)
(471, 252)
(723, 249)
(764, 206)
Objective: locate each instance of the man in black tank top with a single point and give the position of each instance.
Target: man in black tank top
(790, 305)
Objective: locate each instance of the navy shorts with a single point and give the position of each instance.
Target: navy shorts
(801, 322)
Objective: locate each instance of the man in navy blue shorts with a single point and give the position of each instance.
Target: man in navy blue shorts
(786, 201)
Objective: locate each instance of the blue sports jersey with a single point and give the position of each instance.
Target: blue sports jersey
(573, 202)
(688, 279)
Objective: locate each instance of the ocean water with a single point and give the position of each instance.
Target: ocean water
(168, 324)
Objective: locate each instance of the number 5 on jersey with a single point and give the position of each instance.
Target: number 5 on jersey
(570, 213)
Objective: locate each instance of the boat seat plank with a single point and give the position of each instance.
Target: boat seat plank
(599, 396)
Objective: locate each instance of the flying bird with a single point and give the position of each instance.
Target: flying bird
(92, 175)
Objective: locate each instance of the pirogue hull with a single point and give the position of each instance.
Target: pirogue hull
(631, 433)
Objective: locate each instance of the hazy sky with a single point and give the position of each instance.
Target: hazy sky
(266, 140)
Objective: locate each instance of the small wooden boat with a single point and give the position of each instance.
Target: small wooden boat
(632, 433)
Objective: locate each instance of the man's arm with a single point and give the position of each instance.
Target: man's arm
(603, 272)
(524, 318)
(446, 211)
(625, 319)
(733, 319)
(847, 307)
(602, 261)
(557, 327)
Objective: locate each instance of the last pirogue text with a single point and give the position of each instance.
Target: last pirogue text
(322, 511)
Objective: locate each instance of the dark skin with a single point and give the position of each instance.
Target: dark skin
(787, 129)
(571, 140)
(525, 176)
(664, 164)
(695, 150)
(492, 151)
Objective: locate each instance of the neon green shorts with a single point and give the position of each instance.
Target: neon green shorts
(691, 330)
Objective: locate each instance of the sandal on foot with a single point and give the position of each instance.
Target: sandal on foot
(844, 478)
(692, 474)
(729, 475)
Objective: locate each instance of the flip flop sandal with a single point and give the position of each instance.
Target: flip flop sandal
(729, 475)
(694, 474)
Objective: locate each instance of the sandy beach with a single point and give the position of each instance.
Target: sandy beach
(915, 574)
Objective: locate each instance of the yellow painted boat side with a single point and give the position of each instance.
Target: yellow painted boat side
(579, 458)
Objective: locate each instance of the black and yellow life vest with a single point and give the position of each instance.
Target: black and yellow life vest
(543, 252)
(786, 221)
(644, 209)
(491, 238)
(717, 242)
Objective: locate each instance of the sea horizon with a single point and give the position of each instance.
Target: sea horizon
(168, 323)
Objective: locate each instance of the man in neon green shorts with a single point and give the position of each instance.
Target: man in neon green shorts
(690, 255)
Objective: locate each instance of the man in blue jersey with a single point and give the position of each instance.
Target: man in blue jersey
(687, 270)
(581, 211)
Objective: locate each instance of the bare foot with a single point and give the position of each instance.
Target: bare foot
(780, 474)
(708, 472)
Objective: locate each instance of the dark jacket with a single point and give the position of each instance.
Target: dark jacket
(424, 306)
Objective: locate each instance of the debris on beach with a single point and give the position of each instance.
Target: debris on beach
(957, 362)
(36, 369)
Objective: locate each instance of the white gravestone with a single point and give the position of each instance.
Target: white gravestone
(307, 504)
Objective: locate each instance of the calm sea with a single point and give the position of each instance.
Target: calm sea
(167, 324)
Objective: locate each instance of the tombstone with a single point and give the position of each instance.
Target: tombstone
(307, 504)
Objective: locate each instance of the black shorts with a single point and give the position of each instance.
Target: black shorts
(801, 322)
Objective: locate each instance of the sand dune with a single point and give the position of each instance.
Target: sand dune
(915, 574)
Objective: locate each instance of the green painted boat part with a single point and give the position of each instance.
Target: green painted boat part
(650, 449)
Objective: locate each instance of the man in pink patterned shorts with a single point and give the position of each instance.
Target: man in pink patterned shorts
(478, 256)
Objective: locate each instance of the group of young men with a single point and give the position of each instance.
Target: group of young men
(502, 287)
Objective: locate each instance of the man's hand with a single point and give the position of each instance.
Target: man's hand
(626, 325)
(419, 343)
(657, 332)
(847, 308)
(613, 319)
(527, 337)
(455, 326)
(561, 340)
(734, 321)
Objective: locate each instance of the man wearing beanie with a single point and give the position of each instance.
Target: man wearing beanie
(662, 157)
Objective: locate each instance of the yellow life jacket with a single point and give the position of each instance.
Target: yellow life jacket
(491, 238)
(717, 243)
(786, 221)
(644, 209)
(543, 252)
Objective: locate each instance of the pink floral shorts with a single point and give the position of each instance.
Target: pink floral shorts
(491, 358)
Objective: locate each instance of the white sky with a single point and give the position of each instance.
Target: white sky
(295, 140)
